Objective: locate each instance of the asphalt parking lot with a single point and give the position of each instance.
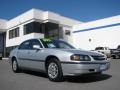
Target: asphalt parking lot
(27, 80)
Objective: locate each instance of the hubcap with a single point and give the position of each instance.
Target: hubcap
(52, 70)
(14, 65)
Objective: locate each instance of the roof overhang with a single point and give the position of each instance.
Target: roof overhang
(3, 25)
(2, 30)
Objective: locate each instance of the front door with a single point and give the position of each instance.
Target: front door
(36, 56)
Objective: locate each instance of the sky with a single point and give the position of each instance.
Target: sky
(82, 10)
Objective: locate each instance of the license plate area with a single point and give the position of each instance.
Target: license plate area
(103, 66)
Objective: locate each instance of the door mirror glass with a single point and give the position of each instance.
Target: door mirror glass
(36, 47)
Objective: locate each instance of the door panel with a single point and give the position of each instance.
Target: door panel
(23, 56)
(36, 59)
(35, 56)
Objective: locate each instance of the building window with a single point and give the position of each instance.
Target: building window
(14, 33)
(61, 33)
(51, 30)
(33, 27)
(53, 34)
(67, 32)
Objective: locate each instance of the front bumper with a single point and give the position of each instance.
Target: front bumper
(84, 68)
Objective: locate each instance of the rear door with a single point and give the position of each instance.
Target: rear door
(23, 54)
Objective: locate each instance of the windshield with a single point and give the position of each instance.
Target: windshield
(48, 43)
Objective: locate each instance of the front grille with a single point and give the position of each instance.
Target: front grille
(99, 58)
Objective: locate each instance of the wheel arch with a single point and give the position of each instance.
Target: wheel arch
(13, 58)
(48, 59)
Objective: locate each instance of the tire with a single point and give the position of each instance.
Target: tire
(15, 67)
(54, 70)
(114, 57)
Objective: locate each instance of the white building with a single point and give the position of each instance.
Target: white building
(45, 24)
(103, 32)
(36, 24)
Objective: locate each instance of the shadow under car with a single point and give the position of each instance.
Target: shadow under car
(88, 78)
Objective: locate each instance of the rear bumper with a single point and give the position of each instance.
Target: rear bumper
(84, 68)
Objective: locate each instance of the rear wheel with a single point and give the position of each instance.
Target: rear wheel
(15, 67)
(54, 70)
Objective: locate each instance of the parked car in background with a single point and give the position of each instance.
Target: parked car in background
(0, 56)
(115, 53)
(104, 50)
(56, 58)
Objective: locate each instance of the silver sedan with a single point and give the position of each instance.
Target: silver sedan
(56, 58)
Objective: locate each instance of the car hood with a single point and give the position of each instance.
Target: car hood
(84, 52)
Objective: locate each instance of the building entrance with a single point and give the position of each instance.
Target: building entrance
(2, 43)
(52, 30)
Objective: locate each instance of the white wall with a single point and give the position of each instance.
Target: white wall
(32, 15)
(20, 19)
(97, 23)
(107, 36)
(67, 38)
(18, 40)
(3, 25)
(61, 19)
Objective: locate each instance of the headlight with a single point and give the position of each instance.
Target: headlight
(77, 57)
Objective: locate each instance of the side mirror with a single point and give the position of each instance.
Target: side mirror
(36, 47)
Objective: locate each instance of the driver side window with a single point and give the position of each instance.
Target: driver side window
(35, 42)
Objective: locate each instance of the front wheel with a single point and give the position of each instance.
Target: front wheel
(54, 70)
(15, 67)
